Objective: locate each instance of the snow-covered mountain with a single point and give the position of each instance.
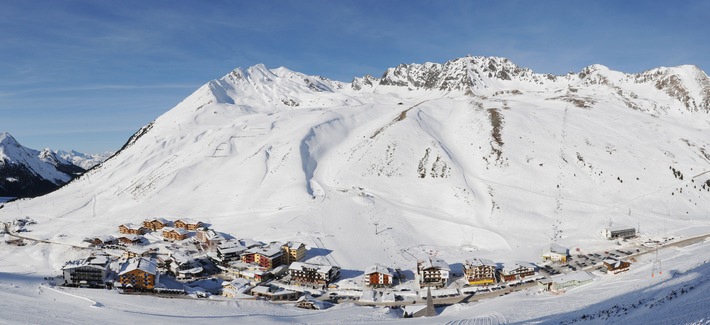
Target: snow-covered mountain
(473, 157)
(473, 154)
(26, 172)
(85, 161)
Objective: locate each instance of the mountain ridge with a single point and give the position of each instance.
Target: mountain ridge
(501, 167)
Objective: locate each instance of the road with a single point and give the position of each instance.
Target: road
(13, 234)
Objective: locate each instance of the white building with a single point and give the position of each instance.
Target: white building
(554, 253)
(433, 272)
(619, 232)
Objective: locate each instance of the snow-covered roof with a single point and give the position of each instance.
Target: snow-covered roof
(132, 226)
(620, 228)
(480, 262)
(189, 221)
(294, 244)
(180, 257)
(161, 220)
(130, 237)
(319, 268)
(554, 249)
(378, 268)
(436, 263)
(180, 231)
(270, 250)
(97, 262)
(139, 263)
(513, 266)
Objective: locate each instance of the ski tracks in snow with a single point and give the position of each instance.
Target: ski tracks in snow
(491, 319)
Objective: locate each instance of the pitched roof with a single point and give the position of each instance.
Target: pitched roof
(554, 249)
(377, 268)
(294, 244)
(189, 221)
(97, 262)
(434, 263)
(480, 262)
(299, 266)
(145, 265)
(161, 220)
(271, 250)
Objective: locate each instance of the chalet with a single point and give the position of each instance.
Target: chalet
(101, 240)
(131, 229)
(234, 288)
(129, 239)
(378, 276)
(619, 232)
(268, 256)
(313, 274)
(293, 252)
(184, 267)
(274, 293)
(134, 251)
(188, 224)
(616, 266)
(480, 271)
(175, 234)
(433, 272)
(209, 237)
(230, 250)
(564, 281)
(517, 271)
(90, 272)
(555, 253)
(155, 223)
(308, 302)
(138, 274)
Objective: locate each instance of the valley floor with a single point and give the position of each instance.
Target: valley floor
(676, 296)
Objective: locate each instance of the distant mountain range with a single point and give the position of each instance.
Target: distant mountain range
(26, 172)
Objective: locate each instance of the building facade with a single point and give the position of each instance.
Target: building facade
(138, 274)
(313, 274)
(480, 271)
(90, 272)
(433, 272)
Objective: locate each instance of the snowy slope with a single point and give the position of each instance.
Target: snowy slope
(476, 154)
(85, 161)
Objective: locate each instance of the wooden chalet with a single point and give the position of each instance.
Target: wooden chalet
(378, 276)
(433, 272)
(209, 237)
(175, 234)
(138, 274)
(293, 252)
(517, 271)
(155, 223)
(101, 240)
(615, 266)
(480, 271)
(131, 229)
(188, 224)
(129, 239)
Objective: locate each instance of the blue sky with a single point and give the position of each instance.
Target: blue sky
(86, 75)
